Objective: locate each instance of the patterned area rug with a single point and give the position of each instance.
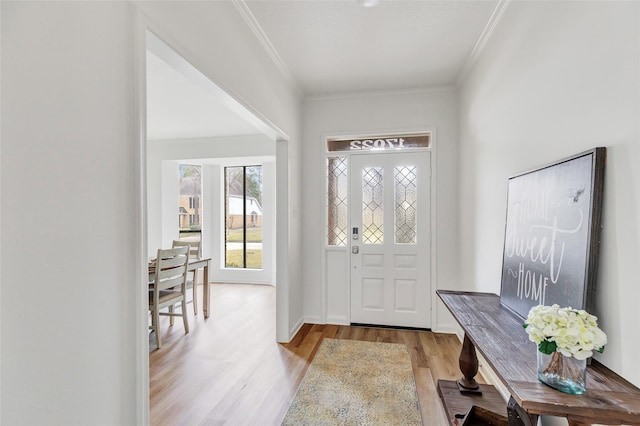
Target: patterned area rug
(357, 383)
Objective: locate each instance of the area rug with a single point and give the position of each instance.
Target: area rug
(357, 383)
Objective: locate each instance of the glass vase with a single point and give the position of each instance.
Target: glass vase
(564, 373)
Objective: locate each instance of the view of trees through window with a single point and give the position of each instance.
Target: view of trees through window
(190, 201)
(243, 217)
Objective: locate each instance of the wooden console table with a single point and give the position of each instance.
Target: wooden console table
(498, 335)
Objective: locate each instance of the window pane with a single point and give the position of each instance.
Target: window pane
(190, 201)
(234, 217)
(380, 143)
(243, 217)
(405, 204)
(372, 205)
(253, 218)
(337, 201)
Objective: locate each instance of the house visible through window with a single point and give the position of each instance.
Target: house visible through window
(190, 201)
(243, 217)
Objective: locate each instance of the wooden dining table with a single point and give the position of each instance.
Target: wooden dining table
(193, 265)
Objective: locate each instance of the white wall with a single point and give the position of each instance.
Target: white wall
(69, 214)
(555, 79)
(376, 113)
(70, 342)
(163, 158)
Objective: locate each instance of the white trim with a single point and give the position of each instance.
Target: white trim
(338, 320)
(262, 37)
(313, 320)
(346, 320)
(262, 275)
(453, 328)
(145, 24)
(237, 103)
(432, 131)
(448, 329)
(283, 213)
(434, 234)
(1, 399)
(294, 330)
(496, 15)
(140, 162)
(378, 93)
(168, 54)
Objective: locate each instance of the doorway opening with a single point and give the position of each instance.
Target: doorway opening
(167, 145)
(379, 227)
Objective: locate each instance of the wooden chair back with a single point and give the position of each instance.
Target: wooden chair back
(195, 252)
(171, 268)
(195, 248)
(169, 288)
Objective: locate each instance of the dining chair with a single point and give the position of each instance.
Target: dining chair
(169, 288)
(195, 252)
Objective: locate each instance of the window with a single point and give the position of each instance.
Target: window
(190, 201)
(373, 205)
(243, 217)
(406, 201)
(337, 201)
(339, 151)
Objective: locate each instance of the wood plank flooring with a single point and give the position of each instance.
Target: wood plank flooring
(229, 370)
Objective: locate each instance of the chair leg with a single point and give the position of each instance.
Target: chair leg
(155, 321)
(171, 315)
(195, 292)
(185, 320)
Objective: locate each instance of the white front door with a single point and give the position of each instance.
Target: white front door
(390, 239)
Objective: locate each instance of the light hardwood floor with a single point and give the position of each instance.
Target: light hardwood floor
(229, 370)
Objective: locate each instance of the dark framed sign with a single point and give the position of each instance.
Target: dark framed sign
(552, 234)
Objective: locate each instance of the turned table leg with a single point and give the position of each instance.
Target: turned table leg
(468, 366)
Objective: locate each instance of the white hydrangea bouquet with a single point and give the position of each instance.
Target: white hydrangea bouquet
(564, 332)
(571, 332)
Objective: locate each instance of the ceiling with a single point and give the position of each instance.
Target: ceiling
(325, 47)
(344, 46)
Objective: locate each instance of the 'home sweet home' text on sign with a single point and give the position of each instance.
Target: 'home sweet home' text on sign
(552, 234)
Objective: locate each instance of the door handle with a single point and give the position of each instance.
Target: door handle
(355, 249)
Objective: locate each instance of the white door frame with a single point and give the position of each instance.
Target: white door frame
(283, 332)
(432, 131)
(391, 317)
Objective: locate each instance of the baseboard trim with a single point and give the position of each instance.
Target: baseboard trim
(294, 330)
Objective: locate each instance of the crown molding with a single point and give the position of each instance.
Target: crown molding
(257, 30)
(379, 93)
(496, 15)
